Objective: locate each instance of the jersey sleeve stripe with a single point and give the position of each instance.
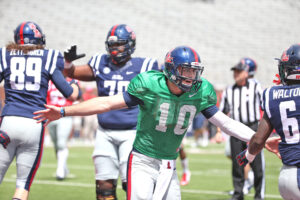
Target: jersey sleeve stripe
(1, 68)
(144, 66)
(3, 58)
(92, 63)
(96, 70)
(54, 62)
(267, 107)
(150, 66)
(48, 59)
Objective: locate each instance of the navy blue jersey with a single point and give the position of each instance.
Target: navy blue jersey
(112, 80)
(282, 106)
(26, 79)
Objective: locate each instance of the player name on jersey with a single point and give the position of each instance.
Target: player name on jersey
(286, 93)
(32, 53)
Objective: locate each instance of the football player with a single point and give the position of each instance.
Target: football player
(26, 67)
(60, 130)
(168, 101)
(117, 129)
(281, 105)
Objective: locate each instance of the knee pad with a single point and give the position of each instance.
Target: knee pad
(105, 193)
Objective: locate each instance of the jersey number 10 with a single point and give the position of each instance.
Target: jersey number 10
(179, 128)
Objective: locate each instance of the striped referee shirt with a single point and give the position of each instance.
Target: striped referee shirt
(243, 102)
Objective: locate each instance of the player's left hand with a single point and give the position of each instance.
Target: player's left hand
(4, 139)
(272, 145)
(241, 158)
(50, 114)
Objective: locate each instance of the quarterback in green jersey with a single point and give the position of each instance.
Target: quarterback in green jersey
(168, 102)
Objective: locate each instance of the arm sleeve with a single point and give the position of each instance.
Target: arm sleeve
(61, 84)
(210, 111)
(232, 127)
(131, 100)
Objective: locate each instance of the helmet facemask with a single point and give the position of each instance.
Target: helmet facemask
(289, 72)
(185, 76)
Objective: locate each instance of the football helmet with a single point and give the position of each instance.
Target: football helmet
(29, 33)
(247, 64)
(120, 43)
(182, 67)
(289, 64)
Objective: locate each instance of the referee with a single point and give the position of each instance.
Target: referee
(242, 102)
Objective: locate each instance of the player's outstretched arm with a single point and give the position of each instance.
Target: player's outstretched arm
(258, 141)
(231, 127)
(261, 138)
(92, 106)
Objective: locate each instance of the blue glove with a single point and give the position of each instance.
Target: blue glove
(4, 139)
(241, 158)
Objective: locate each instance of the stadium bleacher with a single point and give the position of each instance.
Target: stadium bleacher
(222, 31)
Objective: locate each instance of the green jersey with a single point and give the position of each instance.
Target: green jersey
(164, 117)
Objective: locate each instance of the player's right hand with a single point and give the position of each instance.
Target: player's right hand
(71, 54)
(50, 114)
(4, 139)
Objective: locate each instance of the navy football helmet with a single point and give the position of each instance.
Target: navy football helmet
(289, 64)
(181, 61)
(29, 33)
(247, 64)
(120, 43)
(252, 67)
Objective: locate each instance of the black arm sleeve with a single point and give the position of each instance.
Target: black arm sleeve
(131, 100)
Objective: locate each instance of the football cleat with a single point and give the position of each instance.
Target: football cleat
(185, 179)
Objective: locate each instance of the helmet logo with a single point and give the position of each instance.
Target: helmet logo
(132, 33)
(284, 57)
(37, 33)
(169, 59)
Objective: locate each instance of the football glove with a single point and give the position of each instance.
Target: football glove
(244, 157)
(4, 139)
(71, 54)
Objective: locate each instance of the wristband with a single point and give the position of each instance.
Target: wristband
(250, 157)
(68, 65)
(62, 112)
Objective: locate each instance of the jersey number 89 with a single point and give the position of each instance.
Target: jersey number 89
(21, 71)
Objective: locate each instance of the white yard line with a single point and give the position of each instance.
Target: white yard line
(74, 184)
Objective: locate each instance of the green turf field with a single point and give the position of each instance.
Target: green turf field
(211, 176)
